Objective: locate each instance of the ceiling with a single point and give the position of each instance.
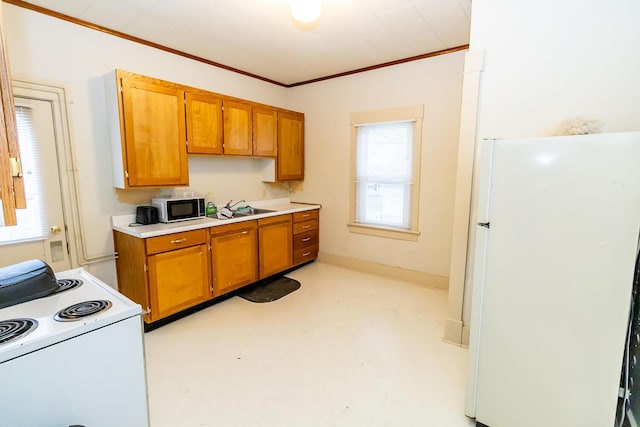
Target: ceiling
(259, 38)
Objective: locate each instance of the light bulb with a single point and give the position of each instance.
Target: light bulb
(305, 11)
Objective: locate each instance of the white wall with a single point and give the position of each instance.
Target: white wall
(549, 60)
(47, 49)
(50, 50)
(434, 82)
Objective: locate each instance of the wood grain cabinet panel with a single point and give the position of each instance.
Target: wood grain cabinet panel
(274, 242)
(204, 122)
(12, 191)
(153, 132)
(178, 279)
(169, 242)
(164, 274)
(290, 159)
(234, 256)
(306, 237)
(237, 118)
(265, 131)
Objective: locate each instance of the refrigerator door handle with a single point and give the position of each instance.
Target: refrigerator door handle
(484, 224)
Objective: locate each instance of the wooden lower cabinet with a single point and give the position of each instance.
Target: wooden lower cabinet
(306, 227)
(170, 273)
(234, 256)
(164, 274)
(275, 245)
(178, 280)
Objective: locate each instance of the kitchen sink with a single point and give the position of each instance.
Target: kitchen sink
(250, 211)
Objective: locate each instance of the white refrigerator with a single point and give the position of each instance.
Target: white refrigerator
(557, 238)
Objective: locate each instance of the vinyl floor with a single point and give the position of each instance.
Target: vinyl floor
(347, 349)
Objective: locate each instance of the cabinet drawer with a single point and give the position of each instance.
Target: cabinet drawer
(302, 227)
(274, 220)
(234, 226)
(303, 240)
(175, 241)
(305, 215)
(305, 254)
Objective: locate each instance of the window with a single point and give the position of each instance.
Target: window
(386, 170)
(31, 220)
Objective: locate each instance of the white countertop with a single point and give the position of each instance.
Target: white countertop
(125, 223)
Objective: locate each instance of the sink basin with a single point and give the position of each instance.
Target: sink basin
(250, 211)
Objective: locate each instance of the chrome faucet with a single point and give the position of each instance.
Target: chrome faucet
(230, 206)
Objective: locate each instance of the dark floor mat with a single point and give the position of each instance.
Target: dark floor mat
(270, 291)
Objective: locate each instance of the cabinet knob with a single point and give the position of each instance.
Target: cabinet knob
(175, 241)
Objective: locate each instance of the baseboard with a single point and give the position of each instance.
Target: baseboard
(421, 278)
(465, 336)
(453, 332)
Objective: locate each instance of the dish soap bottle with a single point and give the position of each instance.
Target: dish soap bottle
(211, 210)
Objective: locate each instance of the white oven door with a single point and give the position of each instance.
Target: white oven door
(96, 379)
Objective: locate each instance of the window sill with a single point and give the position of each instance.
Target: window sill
(389, 233)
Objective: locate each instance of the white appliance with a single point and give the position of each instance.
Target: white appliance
(82, 363)
(557, 236)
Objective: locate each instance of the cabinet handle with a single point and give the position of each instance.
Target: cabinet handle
(306, 254)
(305, 215)
(306, 226)
(245, 232)
(306, 239)
(179, 240)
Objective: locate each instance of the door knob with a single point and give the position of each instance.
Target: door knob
(56, 229)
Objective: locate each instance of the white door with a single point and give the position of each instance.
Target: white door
(41, 230)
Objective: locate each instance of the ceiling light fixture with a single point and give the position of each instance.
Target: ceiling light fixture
(305, 12)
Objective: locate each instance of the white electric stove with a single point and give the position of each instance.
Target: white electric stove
(75, 357)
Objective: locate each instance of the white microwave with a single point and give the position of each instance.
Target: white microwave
(179, 209)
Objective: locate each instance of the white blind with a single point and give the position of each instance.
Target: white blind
(31, 221)
(384, 159)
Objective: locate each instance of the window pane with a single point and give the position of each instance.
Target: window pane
(31, 220)
(383, 204)
(384, 173)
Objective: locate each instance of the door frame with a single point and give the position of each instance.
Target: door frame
(57, 97)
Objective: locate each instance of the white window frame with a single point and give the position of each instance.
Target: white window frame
(414, 114)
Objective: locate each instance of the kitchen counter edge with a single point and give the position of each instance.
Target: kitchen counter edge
(121, 222)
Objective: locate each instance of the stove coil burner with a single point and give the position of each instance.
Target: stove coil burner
(68, 284)
(16, 328)
(82, 309)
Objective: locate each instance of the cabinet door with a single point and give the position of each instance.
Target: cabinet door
(178, 280)
(237, 128)
(290, 160)
(155, 152)
(265, 131)
(11, 186)
(204, 123)
(274, 242)
(234, 260)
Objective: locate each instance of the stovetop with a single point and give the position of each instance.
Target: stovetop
(84, 303)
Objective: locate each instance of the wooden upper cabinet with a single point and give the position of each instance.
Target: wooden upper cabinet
(237, 119)
(290, 160)
(265, 131)
(204, 122)
(11, 184)
(153, 132)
